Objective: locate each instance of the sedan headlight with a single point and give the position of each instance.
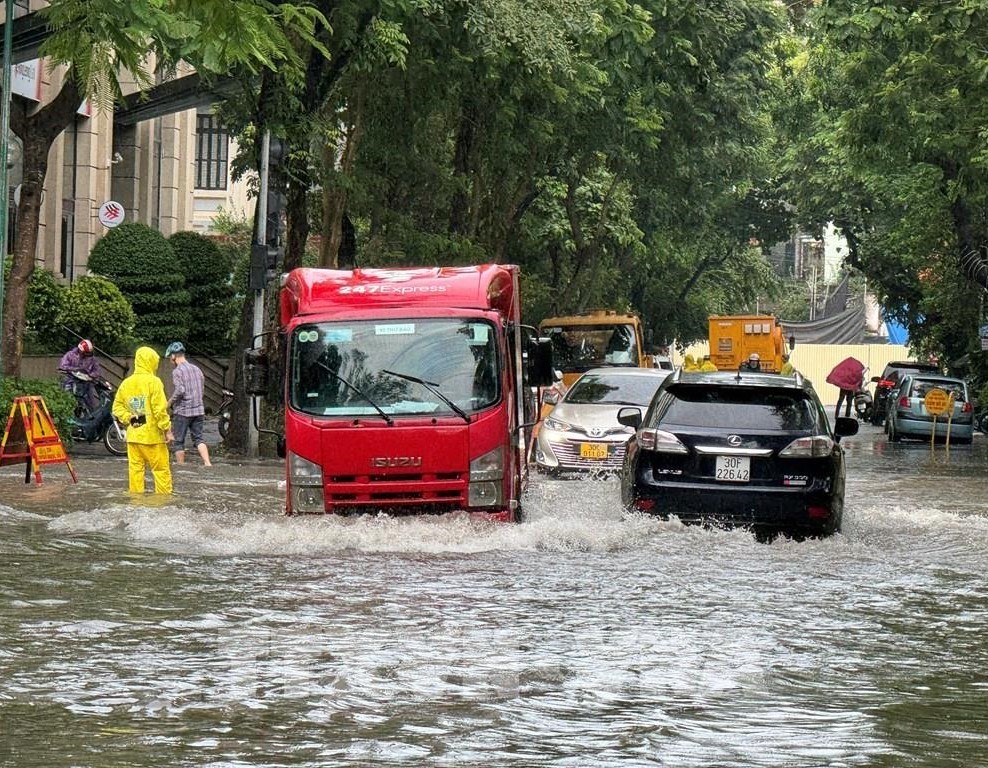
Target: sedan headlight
(557, 425)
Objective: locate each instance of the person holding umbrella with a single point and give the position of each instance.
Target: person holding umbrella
(846, 376)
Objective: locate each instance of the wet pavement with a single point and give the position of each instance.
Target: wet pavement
(207, 629)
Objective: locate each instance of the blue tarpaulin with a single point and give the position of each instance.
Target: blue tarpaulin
(897, 332)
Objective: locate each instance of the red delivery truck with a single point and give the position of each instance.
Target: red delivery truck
(406, 390)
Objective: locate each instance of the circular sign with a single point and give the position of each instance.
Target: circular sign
(936, 402)
(111, 214)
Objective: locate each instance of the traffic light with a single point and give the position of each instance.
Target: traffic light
(264, 257)
(263, 264)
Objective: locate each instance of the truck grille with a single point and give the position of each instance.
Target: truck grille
(418, 493)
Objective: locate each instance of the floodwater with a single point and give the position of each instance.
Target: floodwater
(212, 631)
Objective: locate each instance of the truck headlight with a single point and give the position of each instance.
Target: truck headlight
(305, 481)
(486, 474)
(307, 500)
(303, 472)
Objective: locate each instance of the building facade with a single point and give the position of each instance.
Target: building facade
(171, 172)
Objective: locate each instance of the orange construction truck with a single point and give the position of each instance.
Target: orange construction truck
(601, 337)
(734, 337)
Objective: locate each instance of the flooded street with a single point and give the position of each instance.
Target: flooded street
(212, 631)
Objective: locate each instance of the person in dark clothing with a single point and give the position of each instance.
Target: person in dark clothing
(80, 360)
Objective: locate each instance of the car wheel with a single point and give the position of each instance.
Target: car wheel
(894, 436)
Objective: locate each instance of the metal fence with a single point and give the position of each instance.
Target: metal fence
(216, 372)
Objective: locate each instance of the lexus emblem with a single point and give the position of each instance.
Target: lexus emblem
(734, 440)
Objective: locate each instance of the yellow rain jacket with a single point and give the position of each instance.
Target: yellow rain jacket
(142, 396)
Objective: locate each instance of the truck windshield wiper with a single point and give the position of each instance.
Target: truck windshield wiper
(337, 376)
(434, 389)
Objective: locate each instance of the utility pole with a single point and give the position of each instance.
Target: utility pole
(260, 242)
(8, 46)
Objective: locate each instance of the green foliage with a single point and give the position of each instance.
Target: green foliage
(142, 263)
(882, 119)
(102, 39)
(60, 403)
(95, 308)
(45, 300)
(207, 271)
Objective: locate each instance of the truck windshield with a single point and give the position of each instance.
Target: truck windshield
(582, 347)
(348, 368)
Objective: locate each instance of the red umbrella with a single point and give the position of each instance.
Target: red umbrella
(847, 374)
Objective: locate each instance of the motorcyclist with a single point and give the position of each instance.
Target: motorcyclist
(80, 360)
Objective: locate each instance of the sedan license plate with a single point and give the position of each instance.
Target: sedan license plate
(593, 451)
(734, 469)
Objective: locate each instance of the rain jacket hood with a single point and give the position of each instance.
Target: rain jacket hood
(146, 360)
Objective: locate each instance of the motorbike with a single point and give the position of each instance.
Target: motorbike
(225, 406)
(864, 405)
(97, 424)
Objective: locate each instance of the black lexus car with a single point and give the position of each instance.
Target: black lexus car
(752, 450)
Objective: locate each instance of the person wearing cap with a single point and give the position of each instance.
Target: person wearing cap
(186, 404)
(707, 365)
(80, 360)
(753, 363)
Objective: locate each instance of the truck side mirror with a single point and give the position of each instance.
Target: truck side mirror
(540, 362)
(256, 372)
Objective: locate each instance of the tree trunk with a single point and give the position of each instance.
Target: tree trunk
(463, 166)
(335, 197)
(38, 132)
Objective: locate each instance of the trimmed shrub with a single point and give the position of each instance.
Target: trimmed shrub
(96, 309)
(207, 272)
(142, 263)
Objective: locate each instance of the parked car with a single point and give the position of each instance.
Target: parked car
(909, 417)
(752, 450)
(582, 433)
(890, 379)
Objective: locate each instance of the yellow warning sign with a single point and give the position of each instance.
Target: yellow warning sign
(937, 402)
(31, 437)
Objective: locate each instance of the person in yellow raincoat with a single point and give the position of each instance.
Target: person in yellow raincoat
(787, 367)
(707, 365)
(689, 364)
(140, 404)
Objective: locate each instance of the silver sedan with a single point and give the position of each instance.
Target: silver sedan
(582, 434)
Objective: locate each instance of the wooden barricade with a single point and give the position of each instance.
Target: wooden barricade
(31, 437)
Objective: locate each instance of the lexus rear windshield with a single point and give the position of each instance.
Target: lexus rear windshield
(736, 408)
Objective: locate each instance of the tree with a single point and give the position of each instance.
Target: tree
(885, 121)
(96, 41)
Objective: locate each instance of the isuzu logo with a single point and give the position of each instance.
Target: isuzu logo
(734, 440)
(396, 461)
